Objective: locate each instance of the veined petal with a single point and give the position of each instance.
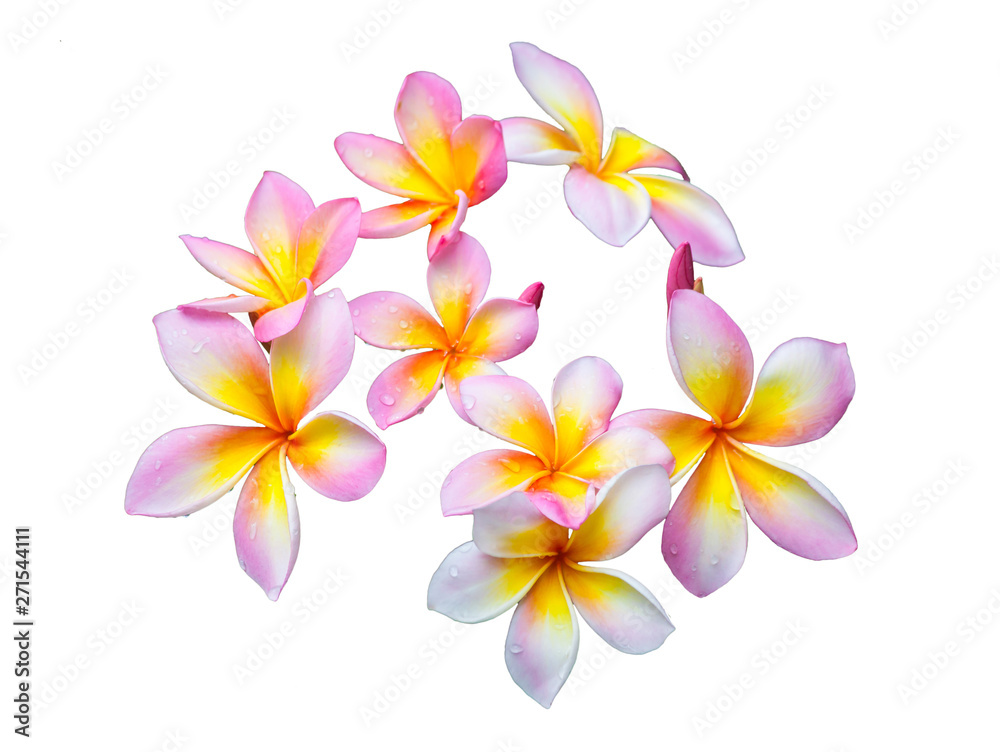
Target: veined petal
(709, 354)
(394, 321)
(513, 527)
(563, 499)
(337, 456)
(628, 507)
(396, 220)
(500, 329)
(471, 587)
(327, 239)
(613, 207)
(427, 110)
(623, 612)
(585, 394)
(309, 361)
(459, 368)
(283, 319)
(457, 278)
(564, 93)
(705, 535)
(480, 158)
(486, 477)
(686, 436)
(266, 524)
(218, 360)
(228, 304)
(233, 265)
(187, 469)
(276, 211)
(630, 152)
(509, 409)
(543, 639)
(405, 387)
(533, 142)
(803, 390)
(793, 509)
(388, 166)
(684, 213)
(618, 449)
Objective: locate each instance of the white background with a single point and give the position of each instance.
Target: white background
(793, 170)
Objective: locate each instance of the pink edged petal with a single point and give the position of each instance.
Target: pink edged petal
(500, 329)
(405, 387)
(446, 229)
(396, 220)
(543, 639)
(613, 207)
(585, 394)
(233, 265)
(793, 509)
(619, 449)
(228, 304)
(533, 294)
(705, 535)
(686, 436)
(218, 360)
(509, 409)
(457, 278)
(564, 93)
(684, 213)
(628, 151)
(266, 524)
(309, 362)
(471, 587)
(461, 367)
(709, 354)
(393, 321)
(187, 469)
(388, 166)
(427, 110)
(680, 274)
(327, 239)
(274, 216)
(337, 456)
(512, 527)
(480, 159)
(282, 320)
(624, 613)
(486, 477)
(628, 506)
(803, 390)
(563, 499)
(531, 141)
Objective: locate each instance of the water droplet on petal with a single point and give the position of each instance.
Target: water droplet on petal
(356, 311)
(393, 309)
(515, 649)
(673, 549)
(507, 397)
(369, 153)
(199, 345)
(387, 400)
(468, 401)
(715, 560)
(403, 323)
(243, 565)
(453, 571)
(253, 530)
(517, 335)
(468, 288)
(157, 464)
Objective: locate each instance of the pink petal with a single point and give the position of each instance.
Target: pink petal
(461, 367)
(388, 166)
(396, 220)
(533, 142)
(405, 388)
(686, 436)
(512, 527)
(228, 304)
(457, 278)
(486, 477)
(618, 449)
(680, 275)
(509, 409)
(282, 320)
(613, 207)
(565, 500)
(480, 159)
(327, 239)
(500, 329)
(630, 152)
(446, 229)
(274, 216)
(533, 294)
(427, 110)
(394, 321)
(585, 394)
(233, 265)
(337, 456)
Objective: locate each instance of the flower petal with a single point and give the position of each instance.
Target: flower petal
(680, 274)
(337, 456)
(803, 390)
(543, 639)
(563, 499)
(618, 449)
(628, 151)
(228, 304)
(266, 524)
(457, 278)
(187, 469)
(628, 507)
(459, 368)
(685, 213)
(793, 509)
(394, 321)
(233, 265)
(585, 394)
(446, 229)
(705, 535)
(327, 239)
(509, 409)
(531, 141)
(405, 387)
(513, 527)
(396, 220)
(623, 612)
(218, 360)
(276, 211)
(471, 587)
(486, 477)
(500, 329)
(309, 362)
(613, 207)
(686, 436)
(480, 158)
(283, 319)
(388, 166)
(709, 354)
(564, 93)
(427, 110)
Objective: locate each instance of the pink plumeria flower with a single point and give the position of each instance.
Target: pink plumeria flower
(803, 389)
(570, 455)
(519, 556)
(470, 339)
(217, 359)
(444, 165)
(297, 247)
(601, 190)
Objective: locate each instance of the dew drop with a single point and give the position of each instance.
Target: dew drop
(369, 153)
(715, 560)
(673, 548)
(356, 311)
(694, 568)
(159, 480)
(157, 465)
(387, 400)
(253, 530)
(468, 401)
(507, 397)
(403, 323)
(453, 571)
(481, 184)
(361, 174)
(517, 335)
(393, 309)
(515, 649)
(199, 345)
(468, 289)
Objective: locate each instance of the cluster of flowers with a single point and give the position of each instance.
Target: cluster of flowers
(582, 485)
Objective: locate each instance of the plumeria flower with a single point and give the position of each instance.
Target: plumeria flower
(601, 190)
(570, 455)
(518, 555)
(297, 247)
(680, 274)
(470, 339)
(216, 358)
(803, 389)
(444, 165)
